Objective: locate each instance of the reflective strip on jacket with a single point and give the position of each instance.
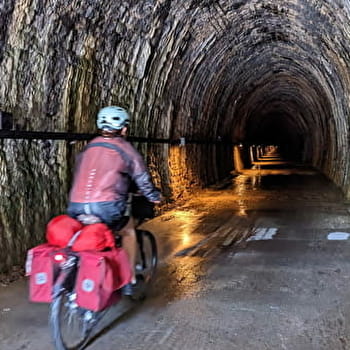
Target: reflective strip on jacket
(103, 174)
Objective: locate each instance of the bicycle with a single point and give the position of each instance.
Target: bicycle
(64, 310)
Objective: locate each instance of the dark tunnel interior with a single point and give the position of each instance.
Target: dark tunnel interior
(279, 130)
(289, 109)
(269, 74)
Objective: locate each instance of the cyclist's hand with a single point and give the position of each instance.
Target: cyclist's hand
(160, 200)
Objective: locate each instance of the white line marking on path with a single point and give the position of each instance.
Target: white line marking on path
(166, 335)
(263, 234)
(338, 236)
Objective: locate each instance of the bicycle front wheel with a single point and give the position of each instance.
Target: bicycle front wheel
(70, 324)
(147, 258)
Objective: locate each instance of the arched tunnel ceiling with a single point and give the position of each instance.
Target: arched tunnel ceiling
(199, 69)
(264, 59)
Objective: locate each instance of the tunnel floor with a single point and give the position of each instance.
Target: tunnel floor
(258, 262)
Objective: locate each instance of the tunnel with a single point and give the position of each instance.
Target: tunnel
(214, 74)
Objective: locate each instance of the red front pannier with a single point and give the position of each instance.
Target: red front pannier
(94, 237)
(99, 275)
(39, 268)
(61, 229)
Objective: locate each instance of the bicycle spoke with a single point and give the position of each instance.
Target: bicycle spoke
(71, 325)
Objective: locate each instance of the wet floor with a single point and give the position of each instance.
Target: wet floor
(260, 261)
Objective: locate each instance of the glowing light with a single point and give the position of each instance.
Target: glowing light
(186, 238)
(59, 257)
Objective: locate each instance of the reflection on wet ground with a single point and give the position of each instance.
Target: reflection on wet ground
(249, 206)
(257, 268)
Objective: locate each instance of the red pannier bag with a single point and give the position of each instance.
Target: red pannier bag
(100, 274)
(40, 269)
(94, 237)
(61, 229)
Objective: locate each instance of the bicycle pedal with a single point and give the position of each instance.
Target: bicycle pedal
(129, 289)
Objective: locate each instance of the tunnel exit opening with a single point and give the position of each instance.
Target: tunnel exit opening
(280, 130)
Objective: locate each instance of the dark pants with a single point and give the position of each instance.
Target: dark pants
(111, 213)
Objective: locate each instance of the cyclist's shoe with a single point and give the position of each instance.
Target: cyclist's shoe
(129, 289)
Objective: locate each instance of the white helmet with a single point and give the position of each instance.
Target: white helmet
(112, 118)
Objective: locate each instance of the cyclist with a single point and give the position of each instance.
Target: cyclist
(102, 178)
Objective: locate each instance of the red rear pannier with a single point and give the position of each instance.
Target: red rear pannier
(99, 275)
(61, 229)
(94, 237)
(39, 268)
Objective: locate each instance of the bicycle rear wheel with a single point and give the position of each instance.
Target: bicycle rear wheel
(146, 260)
(70, 324)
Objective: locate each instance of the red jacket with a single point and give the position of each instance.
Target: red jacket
(103, 174)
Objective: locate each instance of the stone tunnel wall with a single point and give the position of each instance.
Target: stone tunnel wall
(35, 177)
(33, 187)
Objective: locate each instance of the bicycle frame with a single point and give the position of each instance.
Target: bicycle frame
(66, 264)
